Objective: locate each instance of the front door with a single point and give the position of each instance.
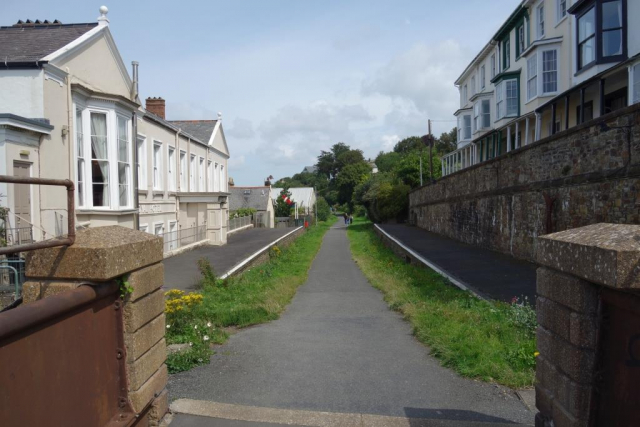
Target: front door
(22, 209)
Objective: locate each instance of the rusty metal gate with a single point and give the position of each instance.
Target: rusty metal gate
(617, 392)
(62, 361)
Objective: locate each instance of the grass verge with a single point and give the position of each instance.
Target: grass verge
(490, 341)
(256, 296)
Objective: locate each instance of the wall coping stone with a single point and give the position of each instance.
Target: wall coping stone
(605, 254)
(99, 254)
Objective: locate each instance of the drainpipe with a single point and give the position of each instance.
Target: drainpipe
(134, 139)
(70, 156)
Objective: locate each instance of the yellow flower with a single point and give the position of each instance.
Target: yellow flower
(536, 354)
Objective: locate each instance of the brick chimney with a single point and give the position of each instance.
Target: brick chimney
(155, 106)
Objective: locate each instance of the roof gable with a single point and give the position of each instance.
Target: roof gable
(201, 129)
(257, 198)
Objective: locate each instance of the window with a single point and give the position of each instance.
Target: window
(223, 179)
(486, 113)
(158, 229)
(99, 160)
(80, 155)
(201, 175)
(124, 164)
(521, 40)
(549, 71)
(511, 87)
(171, 168)
(482, 77)
(466, 126)
(144, 228)
(157, 166)
(493, 65)
(192, 173)
(216, 186)
(612, 28)
(587, 38)
(473, 85)
(562, 9)
(183, 171)
(540, 15)
(476, 117)
(210, 175)
(636, 83)
(507, 98)
(141, 165)
(532, 77)
(464, 95)
(506, 53)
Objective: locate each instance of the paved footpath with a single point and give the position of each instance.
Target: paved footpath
(181, 271)
(338, 348)
(489, 273)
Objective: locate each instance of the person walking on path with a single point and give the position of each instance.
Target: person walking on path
(346, 218)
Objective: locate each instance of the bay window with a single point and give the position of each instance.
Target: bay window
(157, 165)
(103, 151)
(141, 165)
(486, 113)
(549, 71)
(562, 9)
(171, 168)
(587, 38)
(124, 163)
(476, 117)
(80, 155)
(466, 126)
(99, 159)
(532, 76)
(507, 99)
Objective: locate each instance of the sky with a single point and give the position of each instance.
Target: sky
(294, 77)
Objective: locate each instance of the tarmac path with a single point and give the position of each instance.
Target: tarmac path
(339, 348)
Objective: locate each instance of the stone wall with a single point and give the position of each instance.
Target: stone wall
(590, 172)
(588, 310)
(103, 255)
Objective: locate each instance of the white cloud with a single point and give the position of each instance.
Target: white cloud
(389, 141)
(241, 128)
(422, 76)
(188, 111)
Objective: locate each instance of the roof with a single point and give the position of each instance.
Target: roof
(173, 126)
(301, 195)
(201, 129)
(26, 44)
(249, 197)
(310, 169)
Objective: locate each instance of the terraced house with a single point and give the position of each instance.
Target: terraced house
(552, 65)
(70, 110)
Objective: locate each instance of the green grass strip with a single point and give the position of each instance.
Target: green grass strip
(490, 341)
(255, 296)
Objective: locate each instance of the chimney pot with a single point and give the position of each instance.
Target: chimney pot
(156, 106)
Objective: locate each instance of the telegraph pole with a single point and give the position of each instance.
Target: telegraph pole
(430, 152)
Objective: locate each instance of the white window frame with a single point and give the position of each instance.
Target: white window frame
(192, 173)
(475, 124)
(141, 146)
(155, 228)
(502, 101)
(83, 163)
(173, 234)
(559, 6)
(473, 85)
(171, 167)
(532, 65)
(201, 182)
(223, 179)
(144, 228)
(541, 72)
(493, 65)
(466, 128)
(183, 170)
(484, 113)
(522, 41)
(483, 76)
(465, 92)
(157, 165)
(540, 20)
(126, 163)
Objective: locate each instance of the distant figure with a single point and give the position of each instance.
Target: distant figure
(346, 218)
(350, 219)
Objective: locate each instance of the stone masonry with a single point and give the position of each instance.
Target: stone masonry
(578, 266)
(584, 175)
(102, 255)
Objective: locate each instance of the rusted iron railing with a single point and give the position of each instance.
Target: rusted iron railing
(71, 232)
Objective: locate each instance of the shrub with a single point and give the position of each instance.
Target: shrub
(207, 271)
(323, 209)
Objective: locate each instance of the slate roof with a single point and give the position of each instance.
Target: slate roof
(24, 44)
(201, 129)
(257, 198)
(310, 169)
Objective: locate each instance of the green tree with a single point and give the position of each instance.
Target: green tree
(387, 162)
(283, 208)
(447, 141)
(348, 178)
(409, 144)
(348, 158)
(323, 209)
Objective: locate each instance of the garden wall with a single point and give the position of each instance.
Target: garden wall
(585, 175)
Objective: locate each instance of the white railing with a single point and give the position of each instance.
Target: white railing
(235, 223)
